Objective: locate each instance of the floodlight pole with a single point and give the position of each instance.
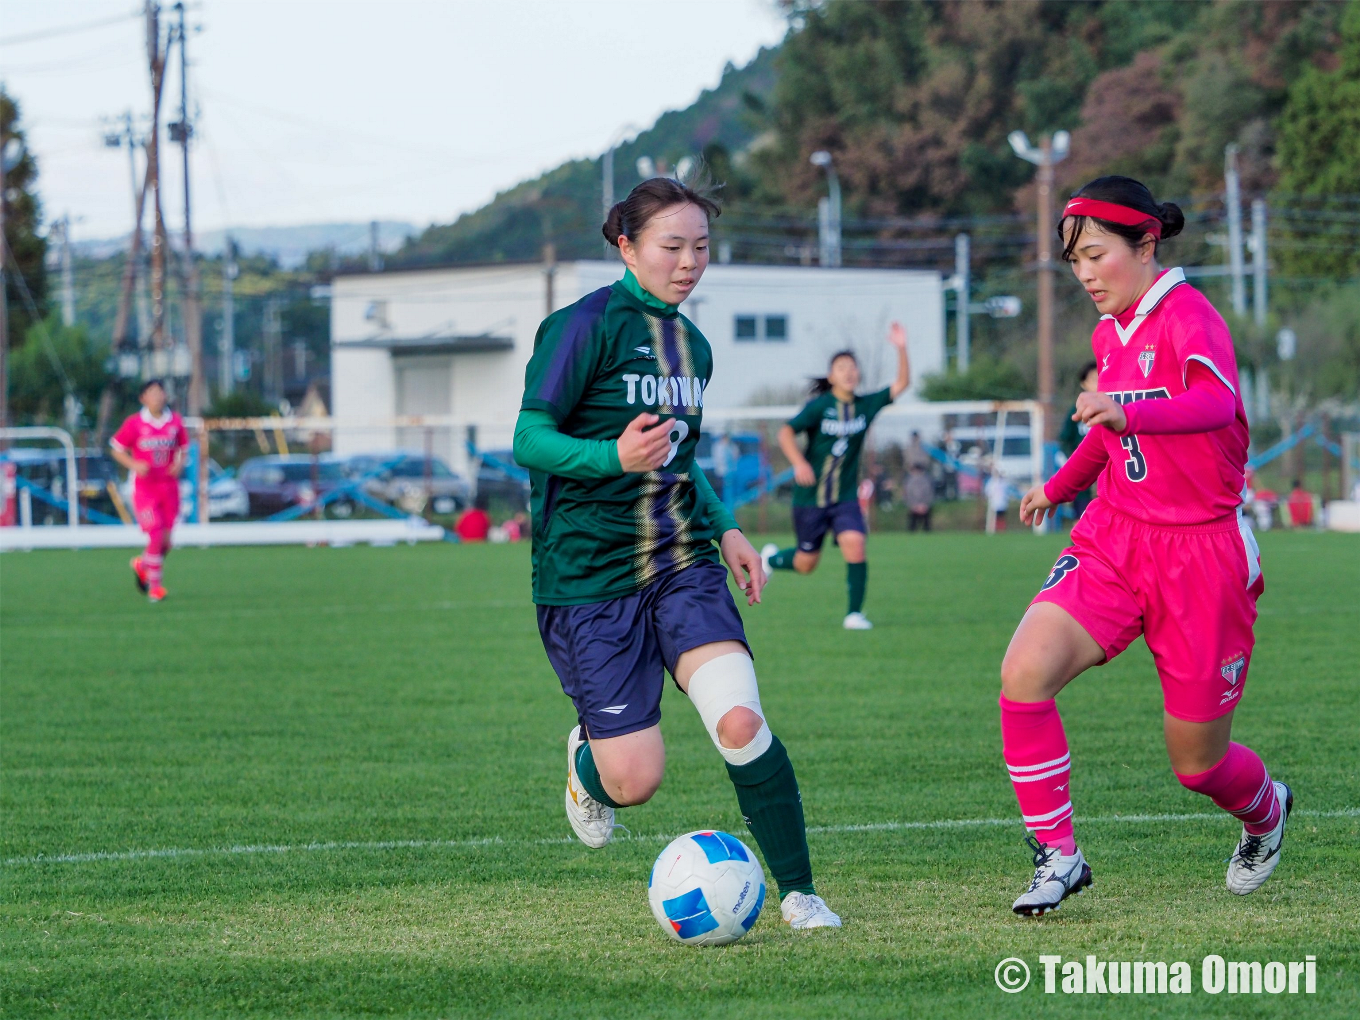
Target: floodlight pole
(1232, 182)
(829, 212)
(962, 281)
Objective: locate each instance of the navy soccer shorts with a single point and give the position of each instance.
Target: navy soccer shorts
(610, 655)
(811, 523)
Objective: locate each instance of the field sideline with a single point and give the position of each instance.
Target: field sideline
(328, 783)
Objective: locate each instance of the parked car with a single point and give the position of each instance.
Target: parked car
(411, 480)
(227, 497)
(500, 479)
(277, 482)
(45, 468)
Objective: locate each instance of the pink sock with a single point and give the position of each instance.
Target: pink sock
(153, 560)
(1035, 748)
(1240, 785)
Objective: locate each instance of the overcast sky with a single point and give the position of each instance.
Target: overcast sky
(338, 110)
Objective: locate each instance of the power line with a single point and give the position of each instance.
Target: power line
(84, 26)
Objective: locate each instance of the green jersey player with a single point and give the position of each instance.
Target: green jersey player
(826, 471)
(627, 580)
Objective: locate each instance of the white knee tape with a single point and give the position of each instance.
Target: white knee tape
(720, 685)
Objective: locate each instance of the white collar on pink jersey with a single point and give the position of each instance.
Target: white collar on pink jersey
(164, 419)
(1169, 280)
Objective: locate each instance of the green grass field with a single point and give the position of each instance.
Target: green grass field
(326, 783)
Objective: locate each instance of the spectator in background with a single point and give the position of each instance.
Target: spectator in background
(475, 524)
(919, 495)
(1073, 432)
(998, 497)
(725, 454)
(952, 449)
(1300, 505)
(916, 455)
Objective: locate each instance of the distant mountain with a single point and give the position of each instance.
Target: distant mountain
(563, 206)
(289, 246)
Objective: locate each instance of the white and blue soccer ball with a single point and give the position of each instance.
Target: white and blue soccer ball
(706, 888)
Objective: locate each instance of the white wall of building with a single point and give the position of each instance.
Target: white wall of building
(822, 311)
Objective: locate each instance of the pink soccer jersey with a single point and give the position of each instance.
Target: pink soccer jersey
(1144, 355)
(153, 441)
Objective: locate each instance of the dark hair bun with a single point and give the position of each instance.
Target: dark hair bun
(613, 227)
(1173, 220)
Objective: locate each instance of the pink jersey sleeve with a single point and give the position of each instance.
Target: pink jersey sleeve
(1080, 470)
(181, 433)
(1206, 406)
(126, 435)
(1198, 334)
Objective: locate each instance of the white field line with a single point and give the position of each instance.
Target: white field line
(457, 844)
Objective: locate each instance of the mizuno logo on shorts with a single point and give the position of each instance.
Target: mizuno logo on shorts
(614, 709)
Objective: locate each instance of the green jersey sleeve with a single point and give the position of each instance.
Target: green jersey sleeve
(809, 416)
(872, 403)
(539, 446)
(567, 354)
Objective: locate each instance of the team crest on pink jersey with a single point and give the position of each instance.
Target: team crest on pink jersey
(1145, 359)
(1232, 672)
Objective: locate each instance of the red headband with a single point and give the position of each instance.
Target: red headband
(1120, 214)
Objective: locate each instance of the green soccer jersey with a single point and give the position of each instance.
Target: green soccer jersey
(597, 365)
(835, 435)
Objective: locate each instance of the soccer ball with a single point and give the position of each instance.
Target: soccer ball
(706, 889)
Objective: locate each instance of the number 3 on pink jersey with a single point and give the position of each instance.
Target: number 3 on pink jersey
(1136, 464)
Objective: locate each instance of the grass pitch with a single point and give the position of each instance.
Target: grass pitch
(328, 783)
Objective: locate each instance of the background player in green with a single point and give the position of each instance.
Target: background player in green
(627, 581)
(826, 471)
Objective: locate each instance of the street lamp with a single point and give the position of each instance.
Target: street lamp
(1052, 149)
(828, 211)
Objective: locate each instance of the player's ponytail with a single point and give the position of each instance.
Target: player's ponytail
(1162, 221)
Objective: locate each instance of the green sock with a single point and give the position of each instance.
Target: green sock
(589, 776)
(783, 560)
(856, 579)
(767, 792)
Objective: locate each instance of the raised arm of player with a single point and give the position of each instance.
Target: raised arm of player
(897, 336)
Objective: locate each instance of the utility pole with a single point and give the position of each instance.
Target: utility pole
(1259, 266)
(273, 352)
(1052, 150)
(68, 283)
(1233, 184)
(549, 276)
(156, 58)
(182, 132)
(226, 343)
(375, 262)
(962, 287)
(607, 178)
(828, 211)
(4, 290)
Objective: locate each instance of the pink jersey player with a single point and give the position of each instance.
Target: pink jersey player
(1162, 552)
(150, 445)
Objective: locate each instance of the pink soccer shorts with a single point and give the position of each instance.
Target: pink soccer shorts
(156, 505)
(1190, 590)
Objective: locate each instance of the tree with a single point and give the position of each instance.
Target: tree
(25, 247)
(55, 361)
(1319, 153)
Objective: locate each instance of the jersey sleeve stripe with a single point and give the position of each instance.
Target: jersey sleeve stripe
(575, 335)
(1212, 367)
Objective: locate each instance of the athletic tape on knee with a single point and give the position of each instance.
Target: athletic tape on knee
(720, 685)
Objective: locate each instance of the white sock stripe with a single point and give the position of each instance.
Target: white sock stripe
(1266, 787)
(1042, 765)
(1048, 816)
(1065, 770)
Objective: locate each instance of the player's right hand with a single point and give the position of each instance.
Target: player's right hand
(1032, 503)
(642, 447)
(140, 468)
(804, 475)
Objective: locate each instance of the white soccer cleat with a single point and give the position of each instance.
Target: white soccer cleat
(592, 821)
(804, 910)
(1055, 878)
(768, 550)
(857, 621)
(1256, 856)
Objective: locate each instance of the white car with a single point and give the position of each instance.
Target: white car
(227, 497)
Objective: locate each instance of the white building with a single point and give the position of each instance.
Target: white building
(454, 342)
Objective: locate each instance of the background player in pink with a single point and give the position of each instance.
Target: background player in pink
(1161, 552)
(150, 444)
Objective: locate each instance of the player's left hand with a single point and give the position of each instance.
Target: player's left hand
(744, 562)
(1100, 409)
